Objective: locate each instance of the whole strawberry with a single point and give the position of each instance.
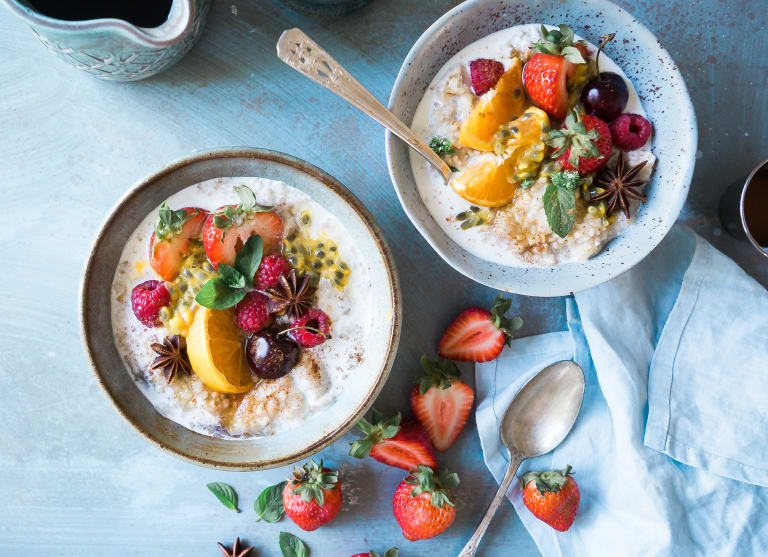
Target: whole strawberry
(583, 143)
(386, 440)
(441, 401)
(423, 504)
(313, 496)
(392, 552)
(552, 496)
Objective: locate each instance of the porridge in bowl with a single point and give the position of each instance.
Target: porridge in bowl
(548, 142)
(240, 306)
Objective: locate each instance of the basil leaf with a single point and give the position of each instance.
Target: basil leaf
(225, 494)
(249, 257)
(269, 505)
(216, 294)
(560, 208)
(292, 546)
(231, 276)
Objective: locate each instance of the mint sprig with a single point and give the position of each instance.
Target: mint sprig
(233, 283)
(169, 222)
(234, 215)
(560, 201)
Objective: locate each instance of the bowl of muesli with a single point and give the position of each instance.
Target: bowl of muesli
(571, 137)
(240, 308)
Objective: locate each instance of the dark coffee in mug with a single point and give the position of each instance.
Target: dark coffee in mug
(756, 207)
(142, 13)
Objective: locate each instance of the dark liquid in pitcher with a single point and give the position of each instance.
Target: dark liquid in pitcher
(756, 207)
(143, 13)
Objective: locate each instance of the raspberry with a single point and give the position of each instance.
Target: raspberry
(318, 321)
(485, 74)
(251, 313)
(146, 300)
(630, 131)
(271, 269)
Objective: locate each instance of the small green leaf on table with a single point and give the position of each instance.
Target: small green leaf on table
(292, 546)
(225, 494)
(269, 504)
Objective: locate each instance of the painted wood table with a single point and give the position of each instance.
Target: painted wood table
(74, 479)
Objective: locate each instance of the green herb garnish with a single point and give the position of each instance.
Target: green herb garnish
(234, 215)
(560, 201)
(233, 283)
(269, 505)
(442, 146)
(170, 222)
(559, 42)
(225, 494)
(292, 546)
(527, 183)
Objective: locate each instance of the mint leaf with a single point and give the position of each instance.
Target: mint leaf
(225, 494)
(573, 55)
(170, 223)
(217, 294)
(292, 546)
(231, 276)
(269, 504)
(246, 195)
(560, 208)
(249, 257)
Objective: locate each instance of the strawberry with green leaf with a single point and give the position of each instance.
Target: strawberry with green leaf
(229, 227)
(479, 335)
(312, 497)
(584, 143)
(403, 446)
(170, 242)
(552, 496)
(441, 401)
(391, 552)
(560, 201)
(424, 505)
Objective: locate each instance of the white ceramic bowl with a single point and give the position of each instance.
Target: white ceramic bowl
(264, 452)
(658, 83)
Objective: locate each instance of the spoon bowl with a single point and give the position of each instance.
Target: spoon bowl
(535, 422)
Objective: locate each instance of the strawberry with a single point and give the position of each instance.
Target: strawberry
(174, 230)
(544, 77)
(313, 496)
(479, 335)
(552, 496)
(583, 143)
(391, 552)
(485, 74)
(229, 227)
(405, 446)
(441, 402)
(423, 504)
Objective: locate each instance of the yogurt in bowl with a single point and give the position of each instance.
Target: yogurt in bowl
(515, 231)
(312, 242)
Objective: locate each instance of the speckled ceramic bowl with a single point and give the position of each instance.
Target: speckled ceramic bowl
(658, 83)
(96, 328)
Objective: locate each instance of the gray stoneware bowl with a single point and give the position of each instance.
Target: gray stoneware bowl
(111, 373)
(658, 83)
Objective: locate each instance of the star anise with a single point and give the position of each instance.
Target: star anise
(172, 357)
(236, 550)
(292, 295)
(621, 185)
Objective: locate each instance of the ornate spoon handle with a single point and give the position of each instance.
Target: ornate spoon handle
(474, 542)
(305, 56)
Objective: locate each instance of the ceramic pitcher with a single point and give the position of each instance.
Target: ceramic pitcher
(116, 49)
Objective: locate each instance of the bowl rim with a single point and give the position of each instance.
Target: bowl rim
(329, 182)
(488, 279)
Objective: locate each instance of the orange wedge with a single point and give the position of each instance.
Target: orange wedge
(499, 105)
(216, 353)
(486, 183)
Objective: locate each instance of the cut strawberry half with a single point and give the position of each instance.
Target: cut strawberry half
(545, 79)
(223, 241)
(442, 402)
(485, 74)
(170, 241)
(403, 446)
(479, 335)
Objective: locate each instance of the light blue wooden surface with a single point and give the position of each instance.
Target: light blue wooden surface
(74, 479)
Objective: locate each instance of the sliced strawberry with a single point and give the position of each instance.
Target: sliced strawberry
(403, 446)
(485, 74)
(441, 402)
(479, 335)
(222, 242)
(170, 241)
(545, 78)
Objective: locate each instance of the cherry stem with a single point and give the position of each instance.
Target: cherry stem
(606, 39)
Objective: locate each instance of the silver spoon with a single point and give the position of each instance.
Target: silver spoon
(305, 56)
(535, 422)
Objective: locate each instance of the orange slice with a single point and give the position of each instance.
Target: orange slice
(486, 183)
(503, 103)
(215, 352)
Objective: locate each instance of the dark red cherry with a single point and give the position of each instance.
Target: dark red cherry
(270, 355)
(605, 96)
